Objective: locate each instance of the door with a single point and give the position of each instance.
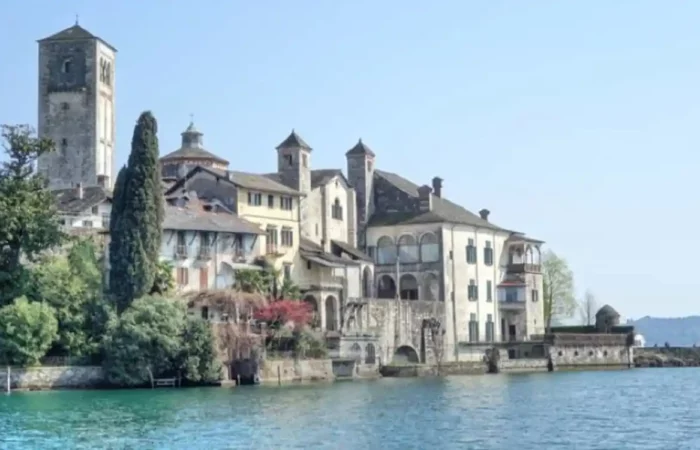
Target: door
(203, 278)
(511, 332)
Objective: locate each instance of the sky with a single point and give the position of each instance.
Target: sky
(575, 122)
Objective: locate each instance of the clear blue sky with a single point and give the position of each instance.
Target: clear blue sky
(576, 122)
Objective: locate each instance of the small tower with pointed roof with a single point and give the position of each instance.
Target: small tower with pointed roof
(190, 154)
(76, 108)
(294, 168)
(360, 161)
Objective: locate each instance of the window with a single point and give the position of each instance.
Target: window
(337, 210)
(511, 294)
(287, 271)
(254, 199)
(205, 312)
(489, 291)
(64, 142)
(289, 159)
(67, 66)
(87, 223)
(286, 203)
(65, 106)
(471, 252)
(535, 295)
(270, 201)
(105, 221)
(304, 160)
(473, 328)
(271, 235)
(287, 237)
(488, 254)
(95, 209)
(183, 276)
(369, 166)
(473, 290)
(489, 328)
(62, 221)
(429, 248)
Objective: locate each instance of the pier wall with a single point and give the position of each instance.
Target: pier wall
(278, 371)
(49, 377)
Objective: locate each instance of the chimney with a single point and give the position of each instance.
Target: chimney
(425, 198)
(103, 181)
(79, 189)
(437, 186)
(484, 213)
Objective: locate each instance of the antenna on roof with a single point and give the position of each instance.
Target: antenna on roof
(191, 118)
(77, 19)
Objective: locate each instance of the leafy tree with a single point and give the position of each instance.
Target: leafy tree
(285, 313)
(28, 222)
(289, 290)
(27, 330)
(588, 308)
(145, 340)
(558, 295)
(72, 285)
(135, 230)
(164, 282)
(198, 359)
(154, 337)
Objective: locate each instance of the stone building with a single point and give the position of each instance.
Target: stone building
(76, 108)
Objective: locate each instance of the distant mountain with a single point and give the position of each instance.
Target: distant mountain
(678, 332)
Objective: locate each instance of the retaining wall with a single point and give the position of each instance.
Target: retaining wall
(278, 371)
(46, 377)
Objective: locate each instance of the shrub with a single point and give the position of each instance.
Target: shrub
(27, 330)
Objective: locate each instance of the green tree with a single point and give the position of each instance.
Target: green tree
(28, 222)
(198, 360)
(72, 285)
(145, 340)
(164, 282)
(135, 229)
(27, 330)
(558, 295)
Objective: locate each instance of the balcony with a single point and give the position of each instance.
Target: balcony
(181, 252)
(204, 253)
(322, 282)
(273, 250)
(524, 268)
(511, 305)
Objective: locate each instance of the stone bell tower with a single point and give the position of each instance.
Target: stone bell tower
(76, 108)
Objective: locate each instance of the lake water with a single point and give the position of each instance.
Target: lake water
(616, 410)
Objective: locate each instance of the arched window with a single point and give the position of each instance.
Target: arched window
(408, 249)
(367, 283)
(356, 352)
(337, 210)
(315, 320)
(386, 288)
(370, 354)
(67, 65)
(331, 322)
(429, 248)
(408, 287)
(386, 250)
(431, 287)
(528, 255)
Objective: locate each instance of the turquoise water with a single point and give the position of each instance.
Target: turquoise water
(636, 409)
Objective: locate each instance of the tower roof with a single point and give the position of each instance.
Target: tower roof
(192, 148)
(294, 141)
(360, 149)
(74, 33)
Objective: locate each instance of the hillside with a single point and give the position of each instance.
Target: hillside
(678, 332)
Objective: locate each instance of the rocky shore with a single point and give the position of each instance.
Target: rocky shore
(667, 357)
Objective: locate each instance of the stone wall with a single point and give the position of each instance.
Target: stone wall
(53, 377)
(278, 371)
(591, 355)
(524, 365)
(400, 324)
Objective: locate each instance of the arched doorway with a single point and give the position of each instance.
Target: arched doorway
(316, 319)
(370, 354)
(405, 354)
(331, 313)
(408, 287)
(386, 288)
(367, 283)
(356, 353)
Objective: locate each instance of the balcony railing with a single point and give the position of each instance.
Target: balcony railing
(204, 253)
(511, 304)
(181, 252)
(524, 268)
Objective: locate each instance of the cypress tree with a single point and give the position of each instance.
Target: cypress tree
(137, 217)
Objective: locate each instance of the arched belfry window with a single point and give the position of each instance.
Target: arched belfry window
(67, 66)
(337, 210)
